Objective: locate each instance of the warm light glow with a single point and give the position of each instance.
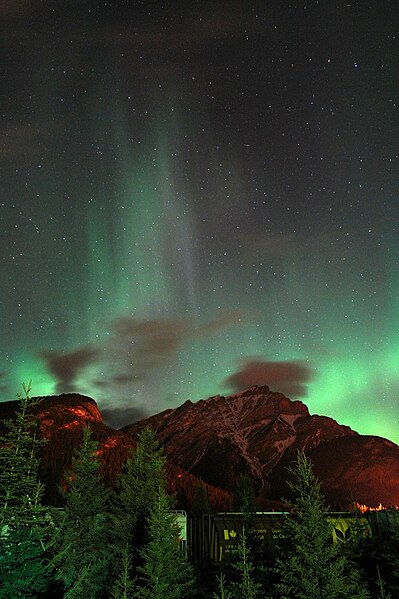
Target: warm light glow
(78, 412)
(71, 425)
(363, 508)
(110, 443)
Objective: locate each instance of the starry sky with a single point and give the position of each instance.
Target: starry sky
(201, 196)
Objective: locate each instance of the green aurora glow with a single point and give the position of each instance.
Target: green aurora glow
(174, 222)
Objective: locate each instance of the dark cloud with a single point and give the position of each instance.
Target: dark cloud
(156, 336)
(149, 344)
(67, 366)
(122, 416)
(161, 337)
(138, 347)
(122, 378)
(224, 321)
(289, 378)
(133, 352)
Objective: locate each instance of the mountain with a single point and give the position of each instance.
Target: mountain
(258, 432)
(62, 419)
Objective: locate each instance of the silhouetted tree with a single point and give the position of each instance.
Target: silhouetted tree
(82, 557)
(25, 524)
(254, 544)
(309, 565)
(388, 552)
(247, 586)
(245, 497)
(224, 592)
(200, 504)
(137, 487)
(165, 573)
(124, 587)
(383, 593)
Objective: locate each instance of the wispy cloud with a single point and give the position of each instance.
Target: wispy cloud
(150, 344)
(135, 349)
(66, 366)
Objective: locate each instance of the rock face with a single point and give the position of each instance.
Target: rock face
(62, 419)
(362, 468)
(258, 432)
(62, 411)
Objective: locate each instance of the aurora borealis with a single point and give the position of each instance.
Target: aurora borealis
(198, 197)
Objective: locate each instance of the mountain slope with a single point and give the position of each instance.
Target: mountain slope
(62, 419)
(258, 432)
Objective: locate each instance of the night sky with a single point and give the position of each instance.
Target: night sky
(197, 197)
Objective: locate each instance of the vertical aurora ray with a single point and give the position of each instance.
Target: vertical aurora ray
(175, 170)
(149, 275)
(180, 239)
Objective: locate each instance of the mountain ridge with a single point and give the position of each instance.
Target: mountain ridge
(256, 433)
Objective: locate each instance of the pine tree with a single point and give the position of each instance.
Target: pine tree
(245, 497)
(25, 524)
(137, 488)
(310, 566)
(224, 592)
(165, 573)
(82, 558)
(252, 547)
(388, 554)
(383, 594)
(247, 586)
(200, 504)
(124, 587)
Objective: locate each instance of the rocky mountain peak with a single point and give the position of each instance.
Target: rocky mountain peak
(258, 432)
